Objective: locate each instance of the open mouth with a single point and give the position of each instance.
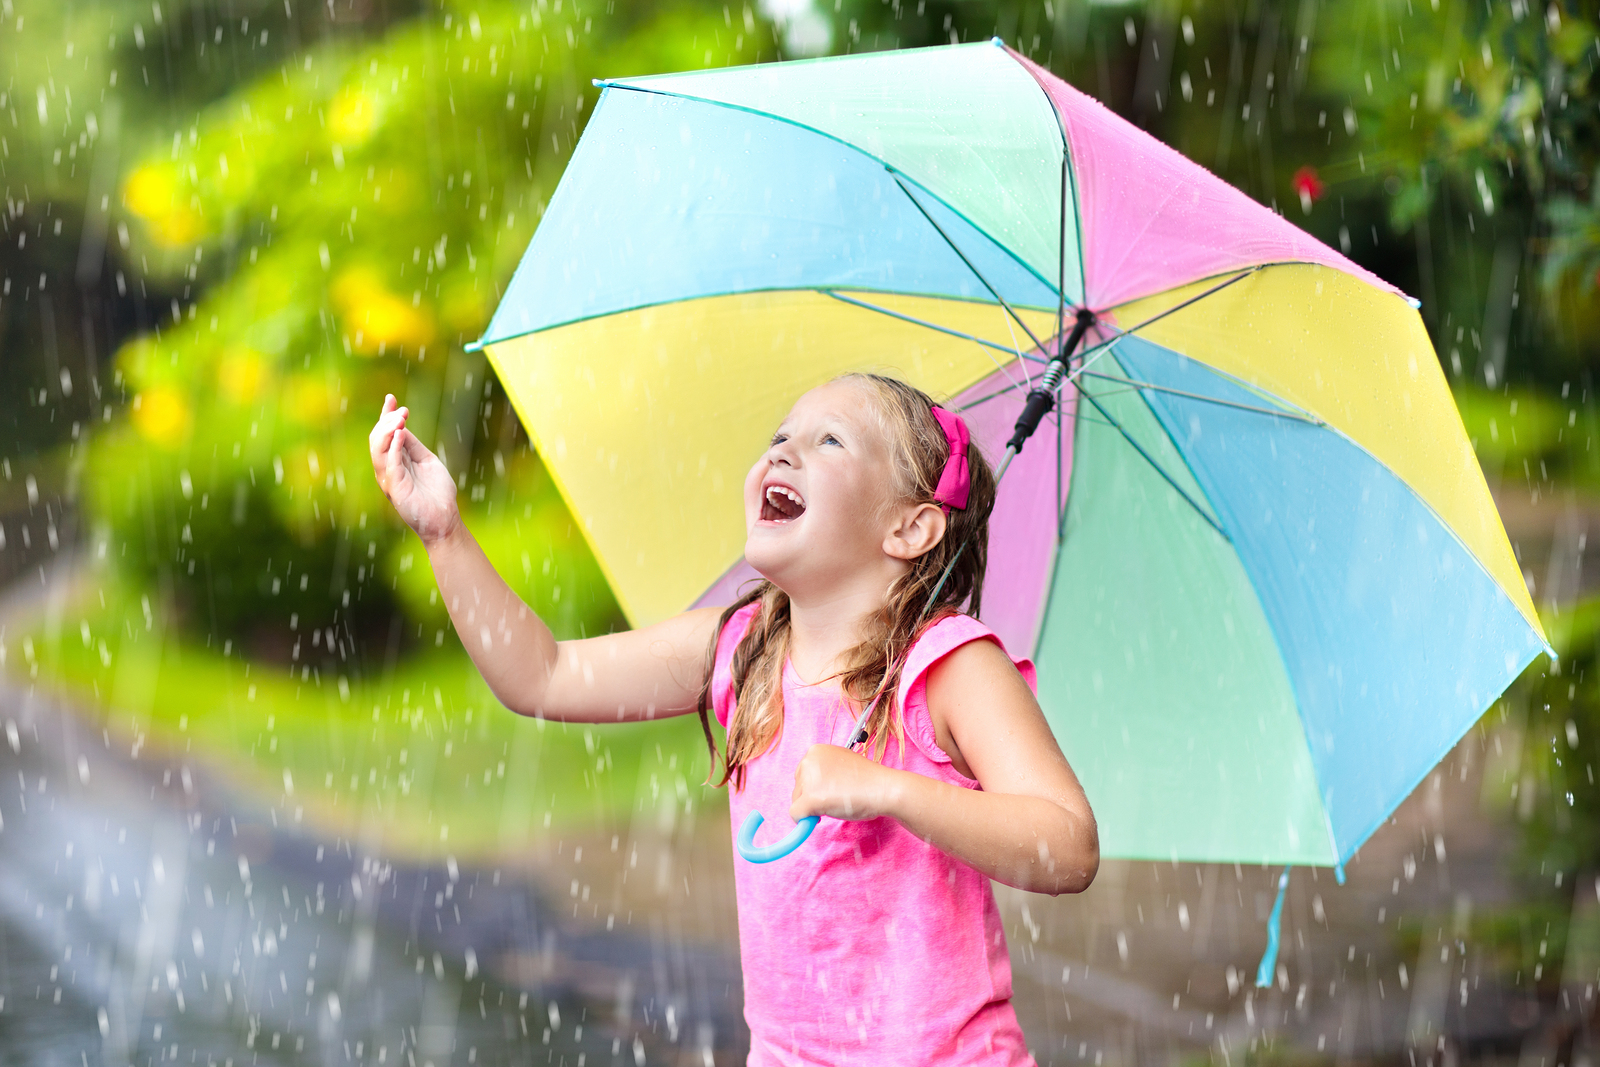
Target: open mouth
(782, 504)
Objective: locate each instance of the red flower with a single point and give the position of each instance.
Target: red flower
(1308, 186)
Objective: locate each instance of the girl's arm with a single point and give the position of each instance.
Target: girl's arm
(1030, 826)
(640, 674)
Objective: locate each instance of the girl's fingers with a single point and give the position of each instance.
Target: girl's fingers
(378, 438)
(388, 460)
(391, 420)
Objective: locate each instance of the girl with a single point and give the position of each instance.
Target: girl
(877, 941)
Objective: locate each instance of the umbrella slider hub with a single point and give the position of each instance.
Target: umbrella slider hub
(1042, 397)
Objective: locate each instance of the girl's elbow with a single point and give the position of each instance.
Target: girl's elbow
(531, 706)
(1077, 874)
(1083, 876)
(1074, 877)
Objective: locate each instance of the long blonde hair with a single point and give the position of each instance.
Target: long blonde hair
(914, 602)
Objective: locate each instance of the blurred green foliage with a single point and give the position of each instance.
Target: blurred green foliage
(349, 218)
(1480, 131)
(85, 89)
(1558, 799)
(1507, 428)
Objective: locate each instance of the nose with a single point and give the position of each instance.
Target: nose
(782, 452)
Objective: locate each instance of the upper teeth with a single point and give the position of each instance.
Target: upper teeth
(776, 490)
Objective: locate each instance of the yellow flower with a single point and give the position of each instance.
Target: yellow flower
(241, 373)
(353, 115)
(149, 191)
(376, 319)
(162, 416)
(152, 192)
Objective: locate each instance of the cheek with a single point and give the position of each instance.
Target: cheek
(752, 491)
(858, 507)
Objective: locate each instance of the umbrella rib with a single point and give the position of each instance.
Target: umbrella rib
(1061, 309)
(902, 316)
(1138, 386)
(1152, 320)
(1061, 259)
(1027, 378)
(969, 405)
(1132, 390)
(1159, 469)
(963, 256)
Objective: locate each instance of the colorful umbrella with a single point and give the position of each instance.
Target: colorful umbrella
(1250, 550)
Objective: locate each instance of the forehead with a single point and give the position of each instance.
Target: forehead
(843, 402)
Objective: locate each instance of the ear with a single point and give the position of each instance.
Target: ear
(917, 531)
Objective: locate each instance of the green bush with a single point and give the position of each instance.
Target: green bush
(350, 221)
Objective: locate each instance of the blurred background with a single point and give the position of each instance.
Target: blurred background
(241, 738)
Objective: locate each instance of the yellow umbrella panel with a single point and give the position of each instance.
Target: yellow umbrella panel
(649, 419)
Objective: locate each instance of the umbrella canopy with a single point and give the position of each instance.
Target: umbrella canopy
(1251, 551)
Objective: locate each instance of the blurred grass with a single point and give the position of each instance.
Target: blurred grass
(425, 753)
(1544, 439)
(1507, 427)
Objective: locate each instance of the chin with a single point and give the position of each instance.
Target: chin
(767, 561)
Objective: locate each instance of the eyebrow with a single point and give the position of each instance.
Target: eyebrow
(835, 425)
(829, 423)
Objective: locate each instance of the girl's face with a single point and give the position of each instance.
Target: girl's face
(817, 504)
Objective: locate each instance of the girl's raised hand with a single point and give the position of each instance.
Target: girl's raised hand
(413, 478)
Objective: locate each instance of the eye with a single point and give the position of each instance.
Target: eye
(778, 439)
(830, 439)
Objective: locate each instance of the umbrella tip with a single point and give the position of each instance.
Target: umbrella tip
(473, 346)
(1414, 302)
(598, 83)
(997, 42)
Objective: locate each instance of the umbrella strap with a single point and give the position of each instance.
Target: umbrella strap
(1269, 958)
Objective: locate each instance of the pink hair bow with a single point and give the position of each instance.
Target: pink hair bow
(956, 479)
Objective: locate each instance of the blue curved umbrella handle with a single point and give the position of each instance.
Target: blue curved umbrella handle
(778, 849)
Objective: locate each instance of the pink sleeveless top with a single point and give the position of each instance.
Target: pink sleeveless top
(865, 946)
